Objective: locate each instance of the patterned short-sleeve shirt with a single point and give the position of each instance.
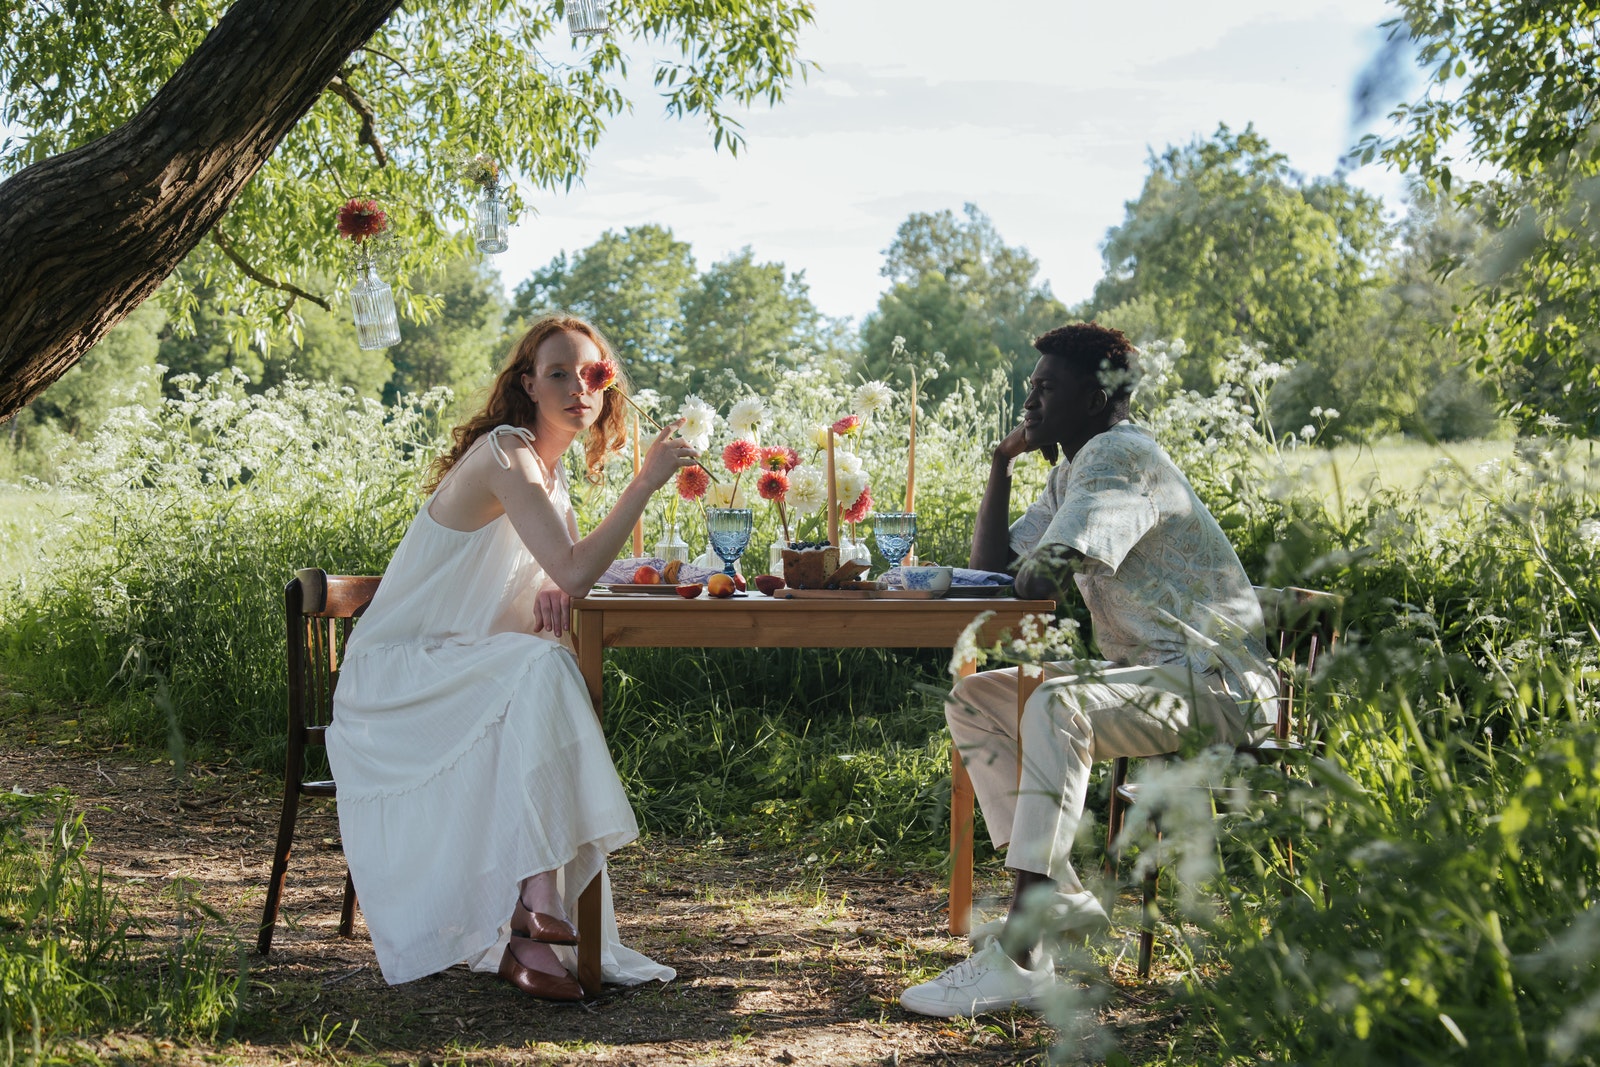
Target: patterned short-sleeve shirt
(1161, 581)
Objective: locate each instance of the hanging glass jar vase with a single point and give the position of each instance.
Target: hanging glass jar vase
(588, 18)
(377, 325)
(490, 221)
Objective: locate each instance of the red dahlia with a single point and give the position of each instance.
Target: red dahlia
(859, 509)
(740, 455)
(599, 375)
(693, 482)
(772, 485)
(360, 219)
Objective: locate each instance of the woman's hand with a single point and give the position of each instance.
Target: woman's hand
(552, 610)
(665, 456)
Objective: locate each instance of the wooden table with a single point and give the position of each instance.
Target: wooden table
(601, 621)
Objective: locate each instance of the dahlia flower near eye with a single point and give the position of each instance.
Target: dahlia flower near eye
(772, 485)
(779, 458)
(847, 425)
(693, 482)
(740, 455)
(599, 375)
(859, 509)
(360, 219)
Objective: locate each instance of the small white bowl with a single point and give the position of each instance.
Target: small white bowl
(927, 578)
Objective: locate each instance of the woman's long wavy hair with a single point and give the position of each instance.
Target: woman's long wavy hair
(510, 404)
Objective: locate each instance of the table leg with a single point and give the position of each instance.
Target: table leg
(589, 938)
(960, 839)
(588, 631)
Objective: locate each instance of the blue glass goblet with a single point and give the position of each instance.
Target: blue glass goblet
(894, 531)
(729, 530)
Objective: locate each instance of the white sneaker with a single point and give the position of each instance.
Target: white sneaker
(989, 980)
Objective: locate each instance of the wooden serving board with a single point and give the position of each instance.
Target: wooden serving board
(655, 588)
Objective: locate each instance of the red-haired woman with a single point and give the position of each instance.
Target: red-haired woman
(476, 795)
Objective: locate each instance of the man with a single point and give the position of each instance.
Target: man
(1172, 611)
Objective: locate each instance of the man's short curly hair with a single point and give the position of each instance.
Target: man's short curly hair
(1096, 352)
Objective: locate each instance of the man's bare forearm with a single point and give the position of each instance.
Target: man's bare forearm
(991, 534)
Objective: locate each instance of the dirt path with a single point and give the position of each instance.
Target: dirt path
(778, 962)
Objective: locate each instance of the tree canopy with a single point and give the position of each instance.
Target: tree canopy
(1225, 244)
(958, 288)
(252, 125)
(1510, 126)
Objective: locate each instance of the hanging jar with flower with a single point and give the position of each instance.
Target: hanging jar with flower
(371, 299)
(588, 18)
(491, 220)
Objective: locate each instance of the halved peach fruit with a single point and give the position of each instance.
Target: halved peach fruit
(689, 592)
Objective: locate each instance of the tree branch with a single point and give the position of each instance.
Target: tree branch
(368, 134)
(256, 276)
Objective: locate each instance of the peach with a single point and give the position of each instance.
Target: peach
(720, 585)
(647, 575)
(689, 592)
(768, 583)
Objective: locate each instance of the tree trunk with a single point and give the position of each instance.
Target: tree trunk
(87, 235)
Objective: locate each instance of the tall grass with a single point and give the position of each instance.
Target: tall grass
(67, 966)
(1447, 838)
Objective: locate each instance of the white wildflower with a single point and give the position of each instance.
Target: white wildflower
(699, 420)
(1331, 413)
(746, 417)
(851, 485)
(1548, 421)
(870, 397)
(722, 495)
(966, 650)
(1316, 412)
(1589, 533)
(1308, 431)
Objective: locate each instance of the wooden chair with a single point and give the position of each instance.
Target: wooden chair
(320, 608)
(1300, 625)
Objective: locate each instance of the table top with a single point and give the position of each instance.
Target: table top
(757, 621)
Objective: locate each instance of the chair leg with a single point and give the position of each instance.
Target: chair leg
(347, 913)
(961, 801)
(1116, 816)
(280, 866)
(1147, 921)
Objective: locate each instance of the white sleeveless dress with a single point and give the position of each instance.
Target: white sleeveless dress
(467, 755)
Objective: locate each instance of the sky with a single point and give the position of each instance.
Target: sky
(1043, 113)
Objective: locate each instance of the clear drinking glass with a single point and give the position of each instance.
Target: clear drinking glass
(729, 530)
(894, 531)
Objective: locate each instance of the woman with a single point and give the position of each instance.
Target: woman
(476, 795)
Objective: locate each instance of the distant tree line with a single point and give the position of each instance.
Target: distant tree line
(1224, 245)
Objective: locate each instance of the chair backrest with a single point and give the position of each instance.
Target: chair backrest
(321, 608)
(1301, 624)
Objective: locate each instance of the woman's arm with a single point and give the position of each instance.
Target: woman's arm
(575, 563)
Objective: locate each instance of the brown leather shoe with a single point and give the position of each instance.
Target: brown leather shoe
(537, 983)
(537, 926)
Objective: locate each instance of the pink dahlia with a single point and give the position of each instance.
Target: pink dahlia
(772, 485)
(740, 455)
(859, 509)
(693, 482)
(847, 425)
(779, 458)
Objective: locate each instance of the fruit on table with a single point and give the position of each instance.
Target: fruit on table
(768, 583)
(720, 585)
(689, 592)
(647, 575)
